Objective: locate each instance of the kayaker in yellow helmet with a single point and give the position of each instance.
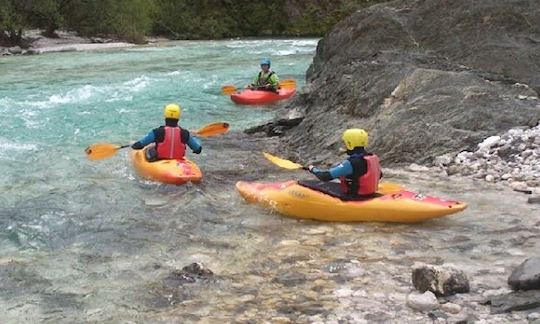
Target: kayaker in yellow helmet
(266, 79)
(170, 139)
(360, 173)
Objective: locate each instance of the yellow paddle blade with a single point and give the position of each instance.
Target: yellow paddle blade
(386, 188)
(213, 129)
(287, 84)
(286, 164)
(228, 89)
(101, 151)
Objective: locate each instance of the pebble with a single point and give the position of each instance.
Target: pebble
(360, 293)
(343, 292)
(418, 168)
(282, 320)
(451, 308)
(533, 316)
(154, 202)
(289, 242)
(318, 230)
(423, 302)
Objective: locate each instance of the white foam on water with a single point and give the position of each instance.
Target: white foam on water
(86, 93)
(138, 84)
(304, 42)
(256, 52)
(285, 52)
(75, 95)
(7, 145)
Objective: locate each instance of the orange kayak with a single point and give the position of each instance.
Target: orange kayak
(165, 171)
(392, 203)
(260, 97)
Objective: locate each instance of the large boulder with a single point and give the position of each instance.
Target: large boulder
(424, 77)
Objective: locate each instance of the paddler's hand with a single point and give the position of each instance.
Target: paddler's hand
(310, 168)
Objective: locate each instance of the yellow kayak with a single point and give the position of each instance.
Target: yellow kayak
(392, 203)
(165, 171)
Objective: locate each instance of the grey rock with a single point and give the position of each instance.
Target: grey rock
(426, 81)
(453, 169)
(32, 51)
(451, 308)
(290, 279)
(534, 200)
(188, 274)
(441, 280)
(422, 302)
(443, 160)
(514, 301)
(15, 50)
(526, 276)
(533, 316)
(100, 40)
(277, 127)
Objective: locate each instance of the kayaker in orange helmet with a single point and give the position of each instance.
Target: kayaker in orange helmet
(170, 139)
(266, 79)
(360, 173)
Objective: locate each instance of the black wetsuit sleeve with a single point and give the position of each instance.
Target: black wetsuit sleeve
(184, 136)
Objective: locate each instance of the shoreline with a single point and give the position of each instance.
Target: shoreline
(68, 42)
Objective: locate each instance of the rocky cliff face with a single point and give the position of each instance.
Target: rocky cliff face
(424, 77)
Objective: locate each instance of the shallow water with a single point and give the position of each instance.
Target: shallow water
(89, 242)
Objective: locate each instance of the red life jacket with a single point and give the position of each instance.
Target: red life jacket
(172, 146)
(366, 184)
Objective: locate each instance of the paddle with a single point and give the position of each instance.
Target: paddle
(286, 164)
(384, 187)
(284, 84)
(102, 151)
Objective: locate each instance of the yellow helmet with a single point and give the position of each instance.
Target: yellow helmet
(172, 111)
(354, 137)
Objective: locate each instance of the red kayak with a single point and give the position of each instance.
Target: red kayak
(260, 97)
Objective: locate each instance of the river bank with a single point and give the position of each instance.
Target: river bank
(66, 42)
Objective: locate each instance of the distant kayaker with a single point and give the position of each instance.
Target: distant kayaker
(359, 175)
(170, 139)
(266, 79)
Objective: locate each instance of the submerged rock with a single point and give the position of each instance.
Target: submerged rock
(290, 279)
(534, 200)
(441, 280)
(514, 301)
(526, 276)
(188, 274)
